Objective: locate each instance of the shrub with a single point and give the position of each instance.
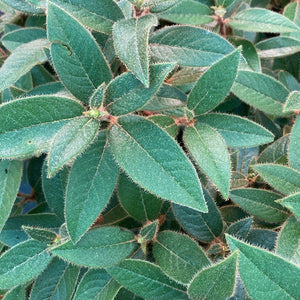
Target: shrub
(150, 149)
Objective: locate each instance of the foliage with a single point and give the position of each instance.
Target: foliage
(149, 149)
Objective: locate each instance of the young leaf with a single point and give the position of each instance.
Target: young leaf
(131, 44)
(210, 153)
(40, 234)
(146, 280)
(97, 15)
(33, 123)
(260, 203)
(155, 161)
(109, 245)
(288, 240)
(188, 46)
(294, 151)
(284, 179)
(260, 91)
(179, 256)
(22, 263)
(149, 231)
(97, 98)
(126, 94)
(21, 61)
(266, 275)
(236, 131)
(262, 20)
(70, 141)
(292, 102)
(215, 282)
(292, 202)
(212, 87)
(77, 66)
(10, 179)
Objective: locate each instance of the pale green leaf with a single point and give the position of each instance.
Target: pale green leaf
(16, 293)
(149, 231)
(294, 147)
(97, 97)
(292, 102)
(24, 6)
(166, 123)
(292, 202)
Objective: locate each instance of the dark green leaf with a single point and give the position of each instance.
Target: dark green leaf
(40, 234)
(240, 229)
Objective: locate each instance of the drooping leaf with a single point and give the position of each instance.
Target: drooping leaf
(266, 275)
(22, 263)
(212, 87)
(188, 46)
(261, 20)
(77, 66)
(131, 44)
(98, 248)
(146, 280)
(179, 256)
(294, 151)
(145, 151)
(292, 202)
(70, 141)
(100, 173)
(215, 282)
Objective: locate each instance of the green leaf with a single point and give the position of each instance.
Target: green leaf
(187, 12)
(58, 281)
(99, 16)
(188, 46)
(288, 245)
(30, 129)
(179, 256)
(289, 81)
(212, 87)
(260, 91)
(284, 179)
(240, 229)
(40, 234)
(131, 44)
(22, 263)
(166, 123)
(10, 179)
(263, 238)
(126, 94)
(146, 280)
(16, 38)
(77, 66)
(149, 231)
(292, 102)
(109, 245)
(203, 226)
(237, 131)
(23, 6)
(70, 141)
(210, 152)
(261, 20)
(294, 151)
(96, 285)
(100, 173)
(292, 202)
(260, 203)
(97, 98)
(16, 293)
(138, 203)
(215, 282)
(143, 158)
(21, 61)
(266, 275)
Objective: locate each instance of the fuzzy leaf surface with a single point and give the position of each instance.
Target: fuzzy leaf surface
(292, 202)
(294, 150)
(293, 101)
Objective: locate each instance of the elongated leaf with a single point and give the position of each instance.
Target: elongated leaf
(146, 280)
(260, 203)
(284, 179)
(260, 91)
(154, 160)
(261, 20)
(215, 282)
(292, 202)
(166, 123)
(131, 44)
(179, 256)
(294, 151)
(97, 97)
(29, 129)
(10, 179)
(16, 293)
(100, 173)
(266, 275)
(22, 263)
(203, 226)
(109, 245)
(21, 61)
(23, 6)
(210, 153)
(78, 67)
(292, 102)
(70, 141)
(188, 46)
(126, 94)
(212, 87)
(289, 81)
(40, 234)
(56, 282)
(97, 15)
(237, 131)
(263, 238)
(288, 245)
(240, 229)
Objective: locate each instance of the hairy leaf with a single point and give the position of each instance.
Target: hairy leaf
(292, 202)
(294, 152)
